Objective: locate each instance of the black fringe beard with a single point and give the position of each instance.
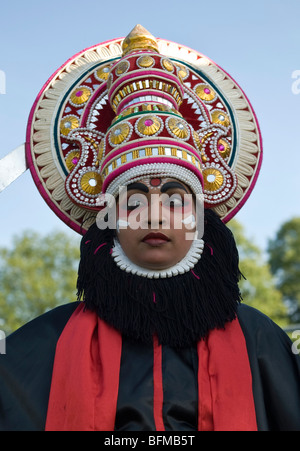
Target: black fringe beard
(180, 310)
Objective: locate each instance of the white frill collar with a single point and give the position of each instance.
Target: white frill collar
(185, 265)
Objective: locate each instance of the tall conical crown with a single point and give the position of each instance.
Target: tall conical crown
(145, 90)
(143, 75)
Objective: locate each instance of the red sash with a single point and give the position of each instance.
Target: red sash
(85, 379)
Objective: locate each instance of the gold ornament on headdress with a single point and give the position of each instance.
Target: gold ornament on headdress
(139, 39)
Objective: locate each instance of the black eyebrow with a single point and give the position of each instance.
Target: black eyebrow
(172, 185)
(138, 186)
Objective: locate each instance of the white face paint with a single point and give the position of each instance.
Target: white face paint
(190, 220)
(121, 223)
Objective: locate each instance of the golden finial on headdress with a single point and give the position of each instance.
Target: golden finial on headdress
(139, 39)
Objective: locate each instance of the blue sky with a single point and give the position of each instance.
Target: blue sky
(256, 42)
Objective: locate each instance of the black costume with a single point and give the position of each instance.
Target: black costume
(25, 381)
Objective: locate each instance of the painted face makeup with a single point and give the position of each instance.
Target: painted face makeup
(121, 223)
(142, 204)
(154, 216)
(154, 183)
(191, 220)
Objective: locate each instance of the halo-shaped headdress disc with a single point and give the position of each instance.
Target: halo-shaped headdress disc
(112, 108)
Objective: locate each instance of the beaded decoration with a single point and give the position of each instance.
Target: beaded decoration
(116, 108)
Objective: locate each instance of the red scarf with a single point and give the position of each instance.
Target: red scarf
(85, 380)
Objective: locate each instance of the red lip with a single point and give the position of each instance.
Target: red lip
(155, 239)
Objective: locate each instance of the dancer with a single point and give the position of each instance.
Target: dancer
(155, 158)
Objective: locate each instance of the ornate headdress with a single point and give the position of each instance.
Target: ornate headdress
(136, 107)
(129, 109)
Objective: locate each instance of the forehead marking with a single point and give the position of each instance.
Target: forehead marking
(155, 182)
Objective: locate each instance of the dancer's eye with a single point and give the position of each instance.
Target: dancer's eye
(136, 201)
(177, 200)
(133, 205)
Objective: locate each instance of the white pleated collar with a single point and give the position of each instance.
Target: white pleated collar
(185, 265)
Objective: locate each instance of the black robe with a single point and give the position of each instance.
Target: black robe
(26, 371)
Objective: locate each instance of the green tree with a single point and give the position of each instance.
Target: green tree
(36, 274)
(258, 288)
(39, 273)
(284, 259)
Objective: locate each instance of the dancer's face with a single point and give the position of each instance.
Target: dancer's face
(156, 222)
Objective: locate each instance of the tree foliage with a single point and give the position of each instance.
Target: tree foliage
(258, 288)
(284, 259)
(36, 274)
